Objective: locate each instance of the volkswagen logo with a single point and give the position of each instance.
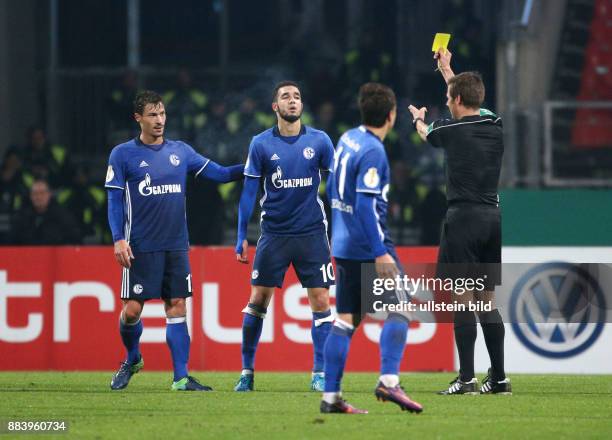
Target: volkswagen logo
(557, 309)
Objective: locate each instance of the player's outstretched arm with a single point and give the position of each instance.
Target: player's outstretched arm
(245, 210)
(444, 60)
(418, 120)
(123, 252)
(219, 173)
(385, 265)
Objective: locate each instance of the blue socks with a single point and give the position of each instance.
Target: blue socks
(321, 325)
(336, 351)
(130, 335)
(177, 337)
(252, 324)
(392, 344)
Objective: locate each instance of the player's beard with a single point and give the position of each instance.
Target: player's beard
(289, 118)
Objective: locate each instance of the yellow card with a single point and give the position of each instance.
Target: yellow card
(440, 41)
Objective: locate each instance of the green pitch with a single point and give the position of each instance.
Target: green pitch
(543, 406)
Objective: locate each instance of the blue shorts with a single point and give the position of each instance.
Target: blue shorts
(154, 275)
(350, 281)
(309, 254)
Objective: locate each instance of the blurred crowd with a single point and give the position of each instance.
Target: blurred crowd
(49, 197)
(46, 199)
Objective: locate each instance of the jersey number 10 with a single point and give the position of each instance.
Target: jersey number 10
(328, 272)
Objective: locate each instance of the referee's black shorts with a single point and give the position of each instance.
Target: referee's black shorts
(470, 245)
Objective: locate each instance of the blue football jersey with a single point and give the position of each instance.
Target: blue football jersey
(290, 168)
(360, 165)
(154, 178)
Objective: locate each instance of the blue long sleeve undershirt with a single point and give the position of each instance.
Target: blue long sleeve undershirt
(365, 211)
(245, 208)
(116, 213)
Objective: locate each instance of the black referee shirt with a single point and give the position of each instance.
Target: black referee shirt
(474, 147)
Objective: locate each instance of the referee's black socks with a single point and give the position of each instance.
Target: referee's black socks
(494, 331)
(465, 338)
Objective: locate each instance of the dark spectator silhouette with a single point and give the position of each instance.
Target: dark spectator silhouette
(187, 104)
(44, 221)
(86, 200)
(13, 192)
(45, 160)
(120, 105)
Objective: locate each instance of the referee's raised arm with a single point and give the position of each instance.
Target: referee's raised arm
(418, 114)
(444, 59)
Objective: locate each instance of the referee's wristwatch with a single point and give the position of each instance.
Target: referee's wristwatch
(414, 122)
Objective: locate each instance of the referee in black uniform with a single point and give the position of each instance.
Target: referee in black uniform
(473, 142)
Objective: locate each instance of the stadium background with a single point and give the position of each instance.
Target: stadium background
(68, 71)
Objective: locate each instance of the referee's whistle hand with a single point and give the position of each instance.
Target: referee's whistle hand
(242, 255)
(123, 253)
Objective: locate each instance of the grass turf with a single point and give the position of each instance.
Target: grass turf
(543, 406)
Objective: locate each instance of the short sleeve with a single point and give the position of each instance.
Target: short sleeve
(486, 113)
(371, 168)
(326, 160)
(253, 166)
(115, 174)
(195, 161)
(436, 132)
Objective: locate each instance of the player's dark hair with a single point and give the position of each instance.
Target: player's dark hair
(145, 97)
(470, 87)
(375, 103)
(282, 84)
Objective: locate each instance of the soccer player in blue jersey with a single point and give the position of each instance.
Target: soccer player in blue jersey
(146, 210)
(358, 188)
(288, 158)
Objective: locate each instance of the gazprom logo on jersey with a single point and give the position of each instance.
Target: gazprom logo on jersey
(557, 310)
(279, 182)
(146, 189)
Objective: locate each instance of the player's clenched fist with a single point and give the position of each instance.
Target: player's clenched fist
(444, 58)
(242, 252)
(123, 253)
